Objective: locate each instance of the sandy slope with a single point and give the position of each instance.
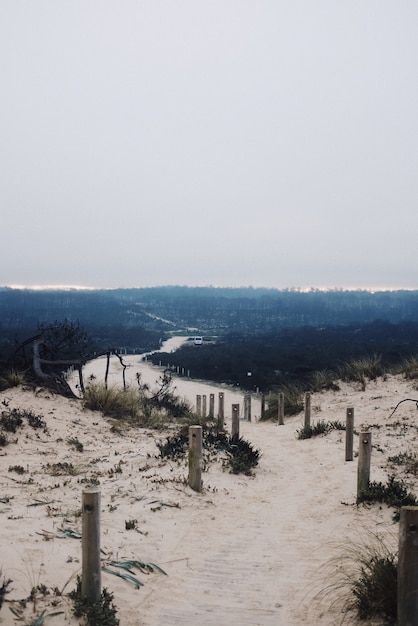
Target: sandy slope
(245, 551)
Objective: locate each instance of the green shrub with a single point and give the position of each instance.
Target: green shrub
(4, 588)
(320, 428)
(174, 446)
(407, 460)
(394, 494)
(19, 469)
(100, 613)
(75, 443)
(11, 420)
(241, 457)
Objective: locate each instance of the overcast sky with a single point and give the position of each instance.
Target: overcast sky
(219, 142)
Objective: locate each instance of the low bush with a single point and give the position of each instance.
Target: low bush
(100, 613)
(241, 457)
(11, 420)
(394, 494)
(320, 428)
(408, 461)
(4, 588)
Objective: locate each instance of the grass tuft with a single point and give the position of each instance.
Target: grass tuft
(363, 581)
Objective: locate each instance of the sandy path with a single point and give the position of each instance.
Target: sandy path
(247, 550)
(184, 387)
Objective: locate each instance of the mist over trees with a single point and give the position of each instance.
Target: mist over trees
(266, 333)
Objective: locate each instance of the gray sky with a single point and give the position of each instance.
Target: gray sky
(219, 142)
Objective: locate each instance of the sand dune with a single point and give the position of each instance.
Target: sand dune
(247, 550)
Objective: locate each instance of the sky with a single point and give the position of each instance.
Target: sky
(232, 143)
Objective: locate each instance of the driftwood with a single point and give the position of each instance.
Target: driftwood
(54, 378)
(54, 381)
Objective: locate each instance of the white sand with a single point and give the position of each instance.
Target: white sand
(245, 551)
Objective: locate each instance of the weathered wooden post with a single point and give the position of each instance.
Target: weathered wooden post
(263, 405)
(407, 605)
(307, 409)
(247, 407)
(235, 420)
(91, 568)
(211, 405)
(364, 458)
(349, 434)
(195, 458)
(221, 412)
(199, 404)
(107, 367)
(204, 409)
(280, 408)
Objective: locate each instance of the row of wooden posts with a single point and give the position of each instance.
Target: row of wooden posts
(407, 575)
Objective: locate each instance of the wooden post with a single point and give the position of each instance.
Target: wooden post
(199, 404)
(91, 568)
(364, 458)
(247, 407)
(107, 367)
(263, 405)
(211, 405)
(204, 410)
(221, 413)
(307, 409)
(195, 458)
(349, 434)
(407, 605)
(235, 420)
(280, 408)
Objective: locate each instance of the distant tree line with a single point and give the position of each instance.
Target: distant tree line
(207, 309)
(267, 333)
(292, 354)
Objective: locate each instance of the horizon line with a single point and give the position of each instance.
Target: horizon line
(290, 288)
